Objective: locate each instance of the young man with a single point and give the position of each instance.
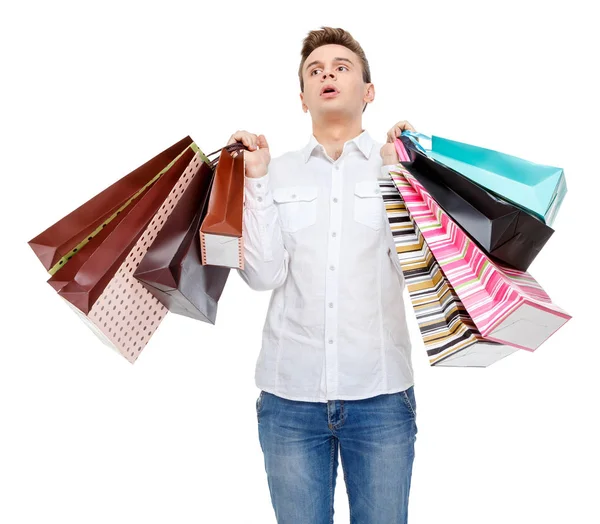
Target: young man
(335, 369)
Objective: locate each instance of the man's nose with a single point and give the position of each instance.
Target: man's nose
(330, 74)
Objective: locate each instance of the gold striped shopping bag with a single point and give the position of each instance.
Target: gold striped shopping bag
(506, 305)
(449, 335)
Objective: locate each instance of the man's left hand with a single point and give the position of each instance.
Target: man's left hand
(388, 150)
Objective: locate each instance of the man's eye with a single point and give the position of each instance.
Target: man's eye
(314, 70)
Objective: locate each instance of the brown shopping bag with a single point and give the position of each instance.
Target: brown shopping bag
(93, 276)
(221, 239)
(172, 269)
(124, 315)
(54, 245)
(68, 271)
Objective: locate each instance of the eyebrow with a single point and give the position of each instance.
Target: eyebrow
(336, 59)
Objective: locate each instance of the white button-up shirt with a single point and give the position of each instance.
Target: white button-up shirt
(316, 233)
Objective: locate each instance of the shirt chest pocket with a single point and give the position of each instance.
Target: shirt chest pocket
(368, 204)
(297, 206)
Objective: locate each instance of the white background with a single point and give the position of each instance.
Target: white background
(92, 90)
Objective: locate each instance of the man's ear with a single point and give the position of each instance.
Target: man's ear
(304, 108)
(370, 94)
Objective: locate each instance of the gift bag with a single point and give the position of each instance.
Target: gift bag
(97, 271)
(504, 231)
(172, 269)
(537, 188)
(505, 304)
(113, 304)
(449, 334)
(57, 243)
(68, 271)
(221, 239)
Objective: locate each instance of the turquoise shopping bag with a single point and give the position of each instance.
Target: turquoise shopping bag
(537, 188)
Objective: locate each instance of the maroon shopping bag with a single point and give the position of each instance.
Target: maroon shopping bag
(172, 268)
(54, 245)
(93, 275)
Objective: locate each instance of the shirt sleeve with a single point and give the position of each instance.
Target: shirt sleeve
(385, 169)
(265, 257)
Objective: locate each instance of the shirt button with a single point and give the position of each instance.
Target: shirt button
(332, 268)
(331, 341)
(258, 185)
(335, 199)
(293, 196)
(337, 166)
(330, 304)
(259, 199)
(334, 234)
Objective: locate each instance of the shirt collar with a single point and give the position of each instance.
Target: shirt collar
(363, 142)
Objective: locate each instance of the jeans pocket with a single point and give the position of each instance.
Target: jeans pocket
(259, 403)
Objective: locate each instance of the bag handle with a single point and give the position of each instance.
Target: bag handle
(414, 138)
(401, 150)
(236, 146)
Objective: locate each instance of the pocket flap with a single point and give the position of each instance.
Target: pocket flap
(367, 188)
(295, 193)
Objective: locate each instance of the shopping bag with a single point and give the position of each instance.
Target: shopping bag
(57, 243)
(126, 315)
(538, 188)
(503, 230)
(221, 239)
(93, 276)
(506, 305)
(449, 334)
(68, 271)
(172, 269)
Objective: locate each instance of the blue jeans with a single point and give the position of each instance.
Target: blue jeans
(375, 438)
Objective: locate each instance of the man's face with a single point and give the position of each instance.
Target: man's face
(341, 68)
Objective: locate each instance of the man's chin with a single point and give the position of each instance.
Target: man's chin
(333, 109)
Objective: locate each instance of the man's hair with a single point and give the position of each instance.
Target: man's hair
(333, 35)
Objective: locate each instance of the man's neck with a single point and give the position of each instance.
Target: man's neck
(333, 135)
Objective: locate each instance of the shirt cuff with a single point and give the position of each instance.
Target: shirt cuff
(257, 192)
(385, 169)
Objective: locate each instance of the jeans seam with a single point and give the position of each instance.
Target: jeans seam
(331, 482)
(346, 484)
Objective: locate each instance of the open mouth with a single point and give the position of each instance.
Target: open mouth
(329, 93)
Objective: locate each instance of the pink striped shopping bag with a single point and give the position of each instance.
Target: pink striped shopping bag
(506, 305)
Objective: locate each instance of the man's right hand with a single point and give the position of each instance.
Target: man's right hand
(257, 158)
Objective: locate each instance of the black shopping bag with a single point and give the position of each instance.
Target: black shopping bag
(503, 230)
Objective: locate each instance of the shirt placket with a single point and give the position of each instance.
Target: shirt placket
(332, 280)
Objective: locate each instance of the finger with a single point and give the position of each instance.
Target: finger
(262, 142)
(405, 125)
(237, 137)
(249, 140)
(246, 140)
